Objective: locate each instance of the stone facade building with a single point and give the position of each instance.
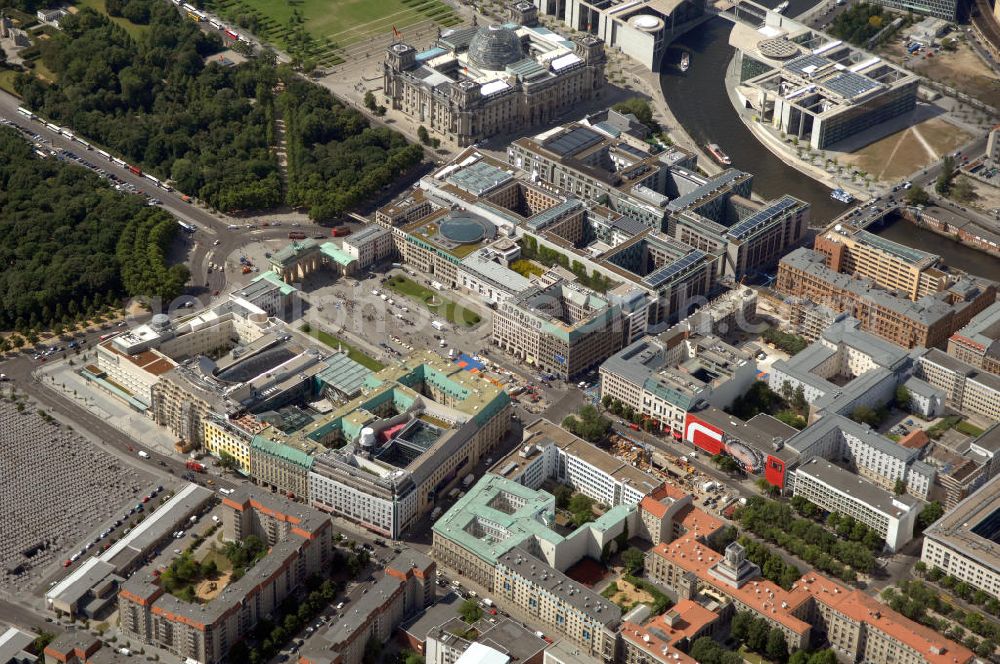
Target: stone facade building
(476, 82)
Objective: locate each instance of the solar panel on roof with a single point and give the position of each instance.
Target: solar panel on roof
(849, 84)
(662, 275)
(748, 224)
(808, 63)
(573, 141)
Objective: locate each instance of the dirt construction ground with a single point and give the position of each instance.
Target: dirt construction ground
(899, 154)
(961, 69)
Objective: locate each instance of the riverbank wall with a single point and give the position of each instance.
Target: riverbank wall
(962, 231)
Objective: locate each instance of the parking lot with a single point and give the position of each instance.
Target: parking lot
(58, 492)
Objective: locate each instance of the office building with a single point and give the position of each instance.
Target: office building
(404, 589)
(978, 343)
(837, 490)
(947, 10)
(810, 86)
(500, 641)
(394, 451)
(814, 611)
(14, 643)
(844, 369)
(871, 455)
(666, 377)
(926, 400)
(553, 600)
(749, 236)
(667, 638)
(928, 321)
(963, 543)
(372, 244)
(967, 389)
(268, 292)
(549, 452)
(479, 81)
(486, 274)
(301, 545)
(640, 30)
(562, 329)
(497, 514)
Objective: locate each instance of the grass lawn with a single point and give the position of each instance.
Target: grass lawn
(527, 268)
(334, 24)
(43, 72)
(968, 429)
(220, 560)
(136, 31)
(452, 312)
(7, 81)
(751, 656)
(358, 356)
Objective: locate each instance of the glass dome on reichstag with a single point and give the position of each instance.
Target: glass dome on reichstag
(495, 47)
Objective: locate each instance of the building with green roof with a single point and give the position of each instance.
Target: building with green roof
(497, 515)
(415, 429)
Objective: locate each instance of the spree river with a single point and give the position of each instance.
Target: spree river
(699, 101)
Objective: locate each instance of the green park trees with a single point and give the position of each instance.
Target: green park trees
(71, 245)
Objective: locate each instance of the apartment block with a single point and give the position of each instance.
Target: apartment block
(300, 541)
(404, 589)
(837, 490)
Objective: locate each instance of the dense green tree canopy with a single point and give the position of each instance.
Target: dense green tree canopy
(67, 240)
(335, 159)
(157, 103)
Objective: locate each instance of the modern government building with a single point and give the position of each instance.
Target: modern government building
(811, 86)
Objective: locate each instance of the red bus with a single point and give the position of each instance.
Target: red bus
(340, 231)
(135, 169)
